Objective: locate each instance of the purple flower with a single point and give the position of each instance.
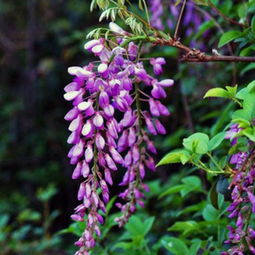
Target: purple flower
(243, 197)
(157, 65)
(232, 132)
(99, 92)
(132, 50)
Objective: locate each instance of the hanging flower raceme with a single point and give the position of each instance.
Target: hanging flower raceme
(100, 91)
(135, 126)
(241, 235)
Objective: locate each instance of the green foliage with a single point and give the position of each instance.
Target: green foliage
(185, 211)
(197, 143)
(229, 92)
(175, 157)
(21, 237)
(176, 246)
(47, 193)
(190, 183)
(216, 141)
(228, 37)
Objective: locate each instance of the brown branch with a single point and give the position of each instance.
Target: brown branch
(208, 58)
(194, 55)
(232, 21)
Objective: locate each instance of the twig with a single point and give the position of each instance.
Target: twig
(179, 20)
(191, 54)
(194, 55)
(232, 21)
(208, 58)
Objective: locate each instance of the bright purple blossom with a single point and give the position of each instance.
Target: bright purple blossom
(157, 65)
(243, 198)
(100, 143)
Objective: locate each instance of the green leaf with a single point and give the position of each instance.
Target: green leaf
(222, 119)
(242, 123)
(110, 204)
(201, 2)
(21, 232)
(148, 225)
(172, 190)
(192, 183)
(193, 208)
(45, 194)
(249, 105)
(122, 245)
(216, 141)
(243, 93)
(184, 226)
(210, 213)
(241, 114)
(250, 133)
(228, 37)
(179, 156)
(187, 189)
(176, 246)
(231, 91)
(135, 226)
(203, 28)
(253, 24)
(242, 11)
(4, 218)
(247, 68)
(217, 92)
(92, 5)
(197, 143)
(29, 215)
(196, 244)
(103, 4)
(247, 50)
(251, 87)
(76, 228)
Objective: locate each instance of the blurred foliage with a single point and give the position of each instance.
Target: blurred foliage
(38, 41)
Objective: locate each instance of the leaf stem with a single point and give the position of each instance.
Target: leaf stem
(214, 162)
(237, 101)
(202, 166)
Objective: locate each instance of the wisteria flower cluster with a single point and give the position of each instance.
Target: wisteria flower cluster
(110, 129)
(242, 235)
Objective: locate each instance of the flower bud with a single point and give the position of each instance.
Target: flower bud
(117, 29)
(110, 162)
(98, 120)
